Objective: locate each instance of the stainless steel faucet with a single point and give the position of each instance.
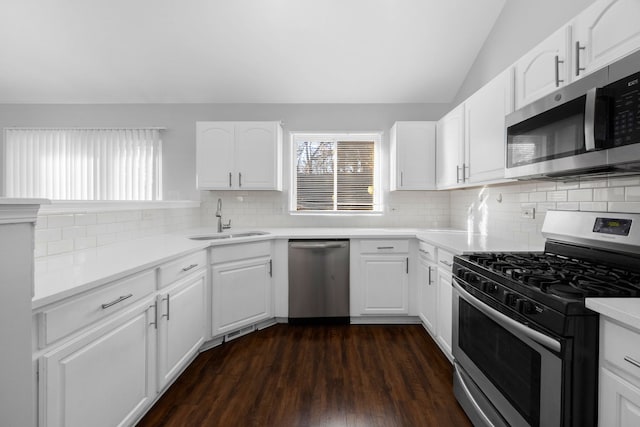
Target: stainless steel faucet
(221, 226)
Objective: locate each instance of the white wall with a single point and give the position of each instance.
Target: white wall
(496, 209)
(522, 24)
(179, 119)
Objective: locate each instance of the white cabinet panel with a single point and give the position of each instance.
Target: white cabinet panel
(428, 294)
(239, 155)
(445, 312)
(181, 325)
(619, 401)
(544, 68)
(241, 294)
(215, 154)
(604, 32)
(484, 122)
(450, 148)
(385, 286)
(413, 149)
(104, 377)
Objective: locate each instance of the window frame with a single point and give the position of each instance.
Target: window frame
(374, 136)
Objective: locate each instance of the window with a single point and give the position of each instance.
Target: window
(83, 164)
(336, 173)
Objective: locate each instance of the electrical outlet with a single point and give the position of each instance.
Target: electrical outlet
(529, 213)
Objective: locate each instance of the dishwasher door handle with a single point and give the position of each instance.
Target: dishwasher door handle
(317, 245)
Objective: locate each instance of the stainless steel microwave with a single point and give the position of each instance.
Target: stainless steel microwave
(589, 127)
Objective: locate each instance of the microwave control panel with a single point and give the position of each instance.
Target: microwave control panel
(625, 120)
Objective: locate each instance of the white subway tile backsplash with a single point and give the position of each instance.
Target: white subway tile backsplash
(48, 234)
(85, 219)
(631, 194)
(106, 218)
(593, 206)
(585, 195)
(59, 246)
(80, 243)
(632, 207)
(557, 196)
(60, 221)
(568, 206)
(73, 232)
(538, 197)
(608, 194)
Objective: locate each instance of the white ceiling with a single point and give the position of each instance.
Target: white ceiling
(281, 51)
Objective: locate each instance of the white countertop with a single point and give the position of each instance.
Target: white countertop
(60, 276)
(623, 310)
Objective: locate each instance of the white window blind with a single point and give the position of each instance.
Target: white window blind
(83, 164)
(335, 173)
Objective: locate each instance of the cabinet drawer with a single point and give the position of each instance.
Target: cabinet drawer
(384, 246)
(445, 259)
(174, 270)
(235, 252)
(427, 251)
(66, 318)
(620, 348)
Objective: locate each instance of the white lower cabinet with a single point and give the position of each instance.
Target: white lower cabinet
(619, 388)
(445, 312)
(428, 294)
(181, 325)
(103, 377)
(386, 284)
(241, 287)
(619, 401)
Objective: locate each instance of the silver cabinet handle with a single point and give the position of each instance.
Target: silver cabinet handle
(457, 173)
(116, 301)
(430, 281)
(632, 361)
(190, 267)
(239, 179)
(317, 245)
(423, 251)
(558, 62)
(385, 247)
(401, 179)
(155, 314)
(407, 265)
(447, 263)
(229, 179)
(465, 177)
(270, 268)
(168, 306)
(578, 49)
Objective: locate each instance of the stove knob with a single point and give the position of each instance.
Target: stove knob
(525, 306)
(510, 299)
(492, 288)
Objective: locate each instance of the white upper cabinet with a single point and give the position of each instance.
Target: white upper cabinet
(239, 155)
(544, 68)
(449, 148)
(413, 150)
(605, 31)
(484, 127)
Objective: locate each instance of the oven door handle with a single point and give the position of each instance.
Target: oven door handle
(494, 314)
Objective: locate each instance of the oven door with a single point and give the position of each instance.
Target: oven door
(506, 373)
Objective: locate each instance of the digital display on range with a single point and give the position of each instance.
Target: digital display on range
(618, 227)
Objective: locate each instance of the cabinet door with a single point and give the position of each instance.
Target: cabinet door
(619, 401)
(544, 68)
(445, 312)
(241, 294)
(215, 150)
(385, 287)
(257, 155)
(449, 146)
(485, 130)
(104, 377)
(428, 295)
(605, 31)
(181, 325)
(413, 150)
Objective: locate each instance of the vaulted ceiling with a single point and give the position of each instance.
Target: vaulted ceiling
(263, 51)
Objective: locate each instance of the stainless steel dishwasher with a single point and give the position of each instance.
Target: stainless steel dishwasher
(318, 281)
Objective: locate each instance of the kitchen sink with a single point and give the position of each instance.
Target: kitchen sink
(228, 236)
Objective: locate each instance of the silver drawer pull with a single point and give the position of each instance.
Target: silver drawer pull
(115, 301)
(447, 263)
(385, 247)
(423, 251)
(168, 300)
(632, 361)
(190, 267)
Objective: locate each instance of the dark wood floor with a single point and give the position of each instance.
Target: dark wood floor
(316, 376)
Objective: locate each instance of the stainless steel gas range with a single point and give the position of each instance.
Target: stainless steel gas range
(525, 346)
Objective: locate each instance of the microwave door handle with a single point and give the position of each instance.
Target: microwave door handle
(498, 317)
(590, 120)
